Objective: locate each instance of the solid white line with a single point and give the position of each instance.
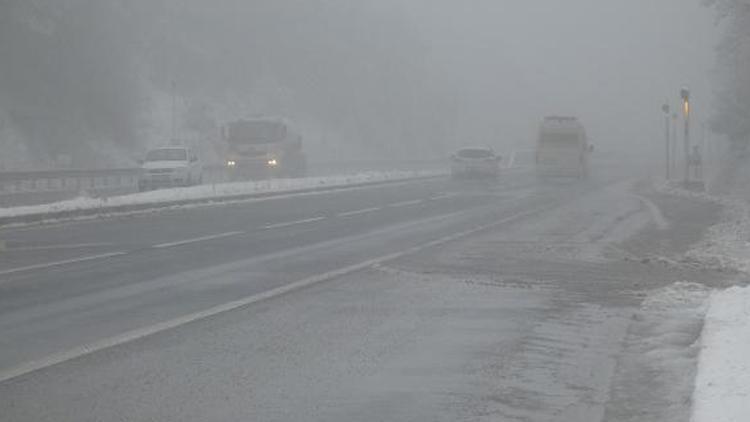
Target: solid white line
(406, 203)
(293, 223)
(59, 263)
(197, 239)
(140, 333)
(359, 212)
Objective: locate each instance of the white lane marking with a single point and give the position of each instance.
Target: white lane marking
(442, 196)
(293, 223)
(54, 247)
(661, 222)
(406, 203)
(512, 160)
(197, 239)
(359, 212)
(140, 333)
(60, 263)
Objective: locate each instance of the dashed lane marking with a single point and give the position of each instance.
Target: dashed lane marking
(140, 333)
(61, 263)
(406, 203)
(55, 247)
(443, 196)
(197, 239)
(293, 223)
(359, 212)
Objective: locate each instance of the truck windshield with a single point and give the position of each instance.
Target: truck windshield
(256, 132)
(560, 140)
(167, 155)
(475, 153)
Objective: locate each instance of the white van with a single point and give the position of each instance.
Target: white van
(475, 162)
(170, 166)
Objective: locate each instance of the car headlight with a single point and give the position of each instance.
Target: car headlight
(272, 162)
(231, 163)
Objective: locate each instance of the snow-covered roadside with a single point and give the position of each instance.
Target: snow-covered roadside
(722, 386)
(722, 383)
(727, 244)
(655, 374)
(217, 191)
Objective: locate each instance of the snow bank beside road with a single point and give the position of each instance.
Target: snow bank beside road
(722, 386)
(727, 244)
(209, 192)
(656, 370)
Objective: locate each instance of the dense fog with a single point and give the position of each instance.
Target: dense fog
(731, 115)
(93, 81)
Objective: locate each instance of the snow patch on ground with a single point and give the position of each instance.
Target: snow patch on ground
(216, 191)
(678, 297)
(676, 189)
(721, 390)
(727, 245)
(722, 386)
(655, 374)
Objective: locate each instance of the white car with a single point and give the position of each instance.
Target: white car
(475, 162)
(168, 167)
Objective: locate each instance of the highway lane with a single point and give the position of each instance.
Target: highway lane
(77, 239)
(131, 272)
(440, 333)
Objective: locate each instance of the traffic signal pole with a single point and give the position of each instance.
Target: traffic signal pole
(685, 94)
(667, 159)
(673, 143)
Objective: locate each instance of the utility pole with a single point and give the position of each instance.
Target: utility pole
(673, 167)
(704, 148)
(685, 94)
(667, 159)
(174, 112)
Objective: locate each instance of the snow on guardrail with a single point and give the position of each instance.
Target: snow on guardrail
(202, 194)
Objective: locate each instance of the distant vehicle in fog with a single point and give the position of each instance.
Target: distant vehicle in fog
(262, 148)
(475, 162)
(562, 148)
(170, 166)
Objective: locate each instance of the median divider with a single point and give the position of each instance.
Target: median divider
(206, 194)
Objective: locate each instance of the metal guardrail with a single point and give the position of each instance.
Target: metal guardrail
(19, 188)
(61, 180)
(40, 216)
(27, 188)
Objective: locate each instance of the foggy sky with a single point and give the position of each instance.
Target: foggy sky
(375, 77)
(611, 62)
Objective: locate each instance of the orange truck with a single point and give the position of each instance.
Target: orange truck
(261, 148)
(562, 148)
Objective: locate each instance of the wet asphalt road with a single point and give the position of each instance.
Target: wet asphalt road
(281, 310)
